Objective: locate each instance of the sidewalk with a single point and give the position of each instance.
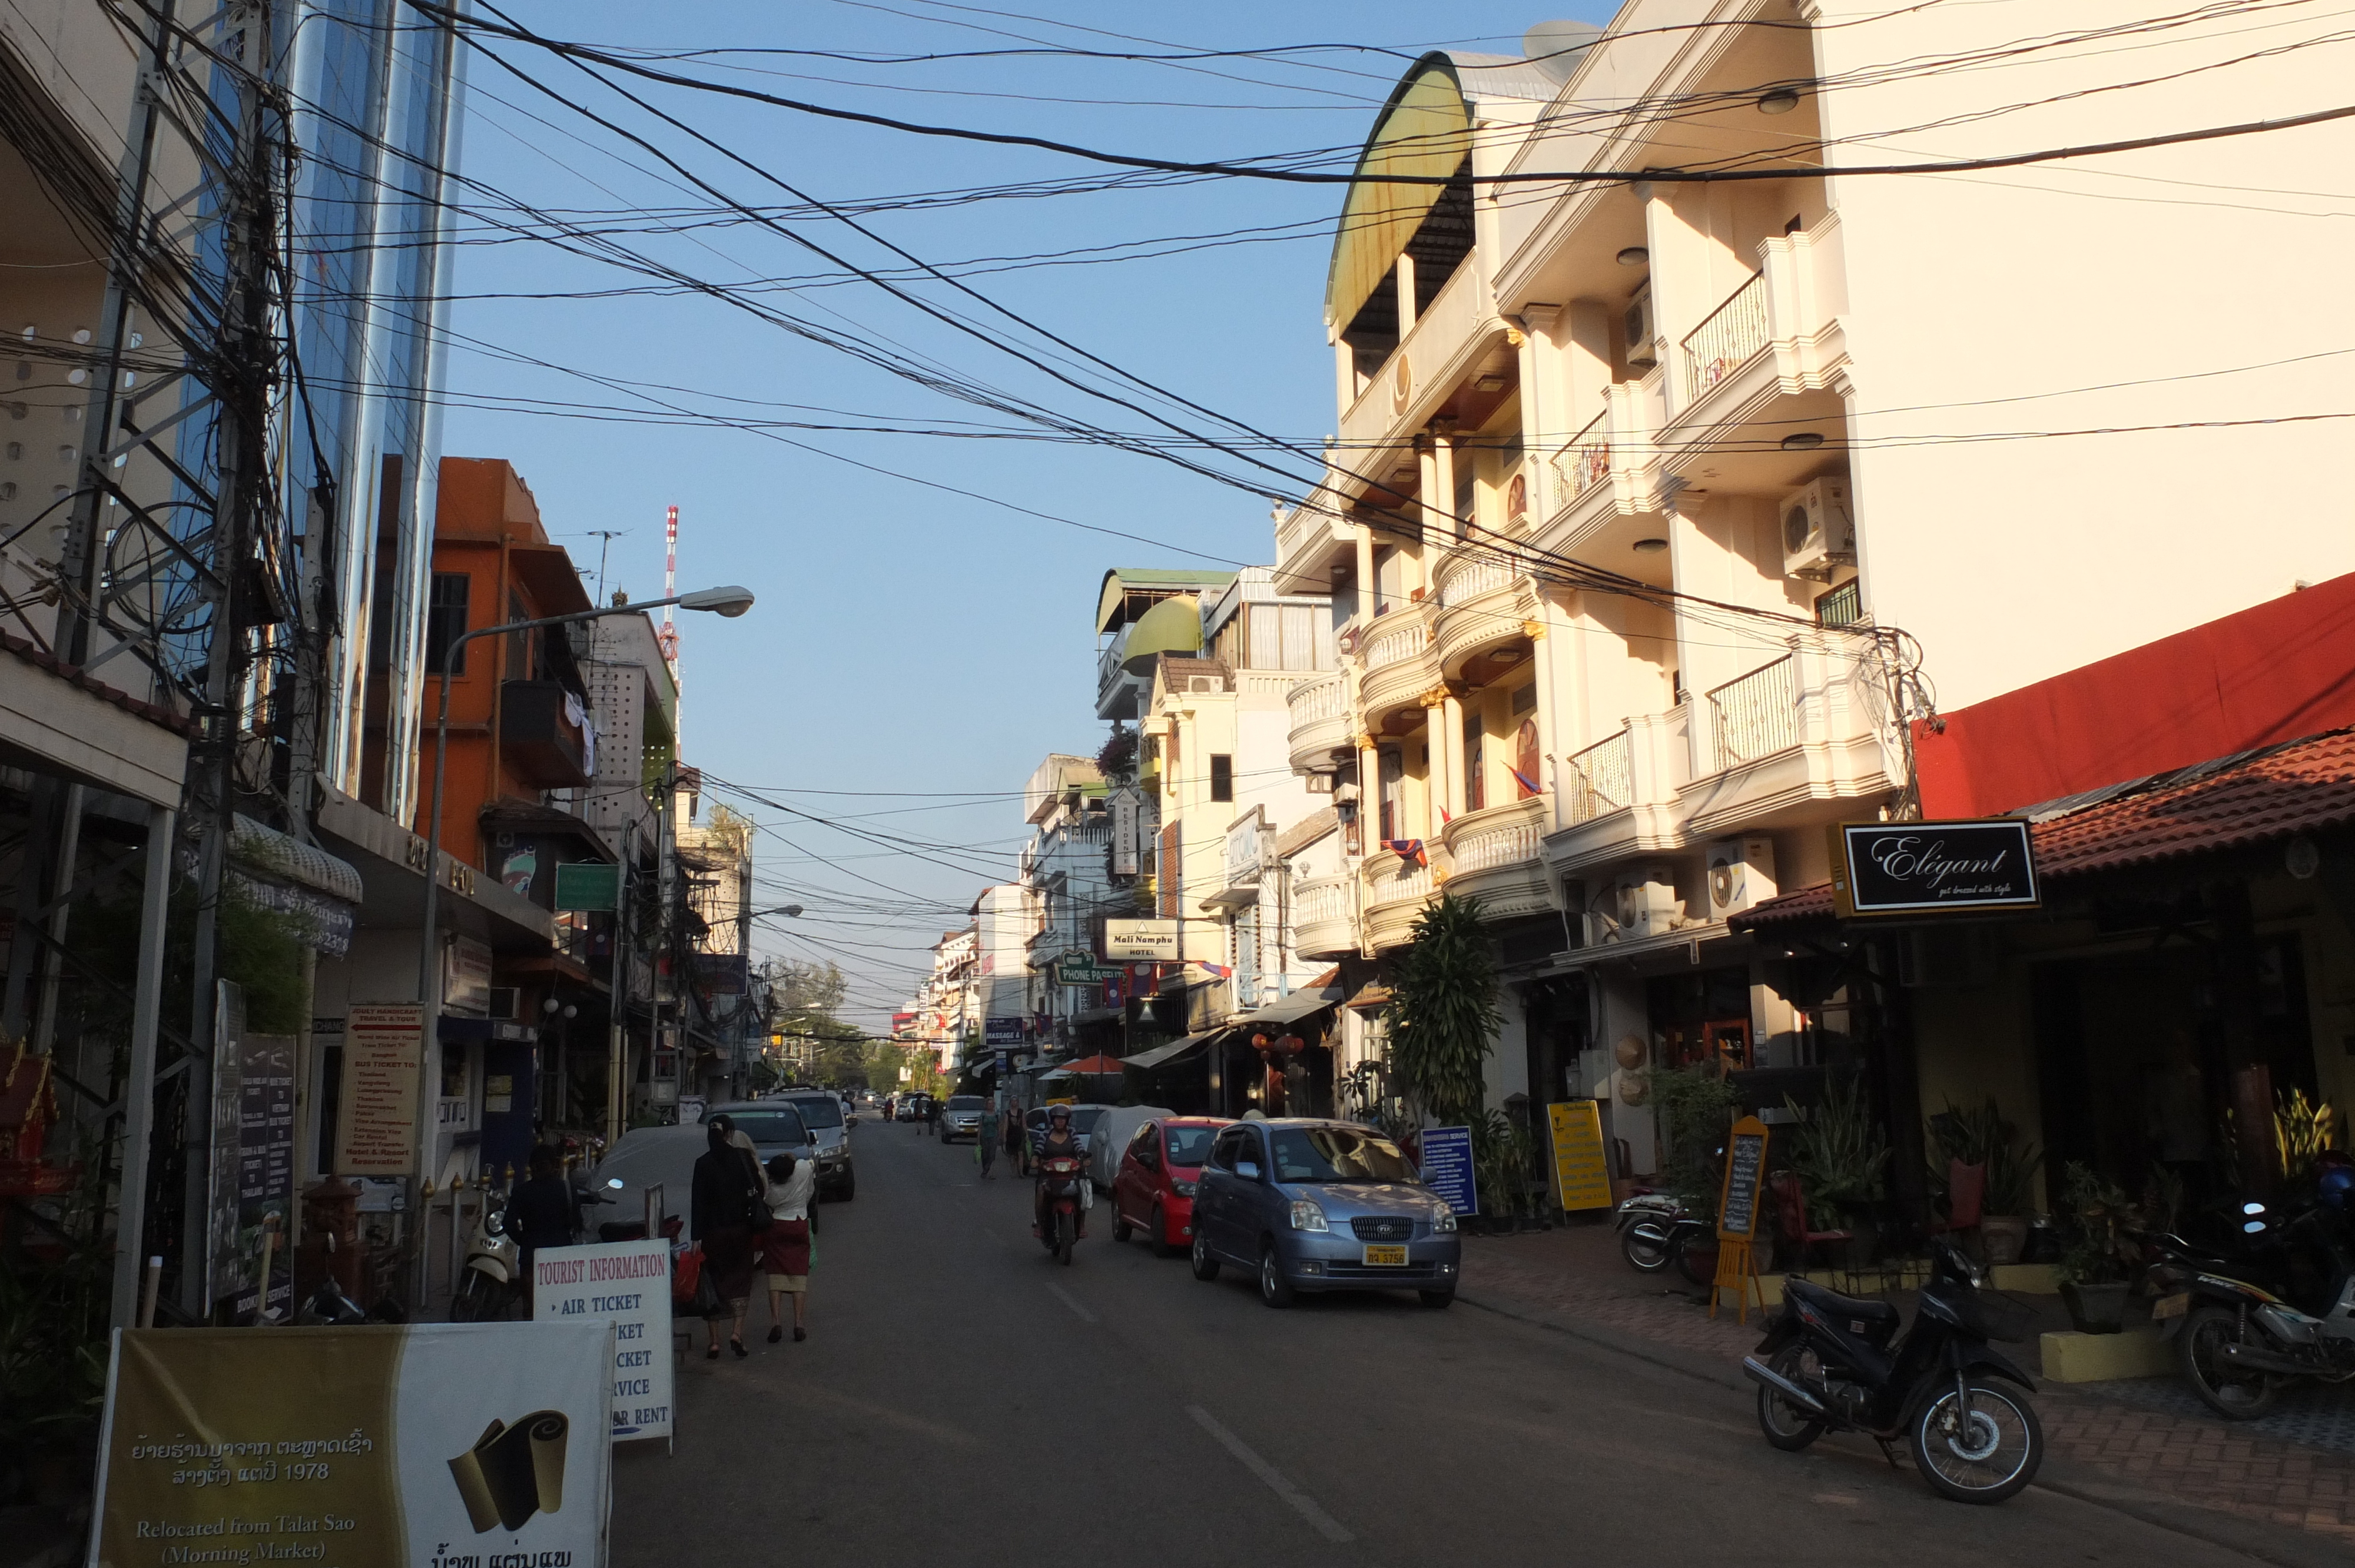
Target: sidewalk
(2143, 1437)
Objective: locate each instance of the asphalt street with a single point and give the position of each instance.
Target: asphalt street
(962, 1399)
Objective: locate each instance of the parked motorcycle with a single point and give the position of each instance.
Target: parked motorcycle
(1058, 1227)
(1656, 1230)
(1835, 1364)
(492, 1281)
(2241, 1326)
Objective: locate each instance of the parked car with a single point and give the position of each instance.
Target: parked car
(649, 1157)
(1153, 1190)
(1310, 1205)
(821, 1110)
(960, 1117)
(1109, 1141)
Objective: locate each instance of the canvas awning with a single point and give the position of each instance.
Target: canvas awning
(1173, 626)
(1426, 130)
(1162, 1055)
(1291, 1009)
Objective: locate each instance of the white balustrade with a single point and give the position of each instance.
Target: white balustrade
(1399, 644)
(1320, 697)
(1602, 779)
(1481, 572)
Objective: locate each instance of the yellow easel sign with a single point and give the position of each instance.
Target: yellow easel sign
(1738, 1213)
(1579, 1171)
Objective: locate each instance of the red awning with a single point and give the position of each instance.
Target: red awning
(1099, 1063)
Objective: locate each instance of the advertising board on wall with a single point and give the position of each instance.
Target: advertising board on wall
(375, 1127)
(1151, 941)
(1932, 868)
(434, 1445)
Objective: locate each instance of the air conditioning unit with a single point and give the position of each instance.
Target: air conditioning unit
(1819, 529)
(503, 1002)
(1647, 903)
(1205, 685)
(1640, 328)
(1741, 875)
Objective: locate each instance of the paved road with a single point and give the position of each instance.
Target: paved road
(961, 1400)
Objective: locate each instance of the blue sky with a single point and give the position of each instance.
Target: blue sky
(915, 651)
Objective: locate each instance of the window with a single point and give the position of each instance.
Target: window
(1223, 778)
(445, 620)
(1188, 1145)
(1393, 764)
(1338, 1154)
(1233, 1146)
(1475, 769)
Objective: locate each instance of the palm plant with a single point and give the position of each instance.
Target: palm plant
(1443, 1014)
(1839, 1155)
(1982, 1137)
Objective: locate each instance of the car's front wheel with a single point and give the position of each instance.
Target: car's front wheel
(1274, 1288)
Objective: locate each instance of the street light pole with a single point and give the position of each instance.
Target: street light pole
(728, 601)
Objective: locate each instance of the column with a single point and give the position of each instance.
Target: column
(1370, 794)
(1428, 514)
(1451, 709)
(1345, 373)
(1366, 599)
(1405, 274)
(1438, 506)
(1541, 649)
(1436, 757)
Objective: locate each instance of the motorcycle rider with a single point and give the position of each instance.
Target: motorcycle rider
(1061, 1141)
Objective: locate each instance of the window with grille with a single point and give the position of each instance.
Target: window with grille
(445, 620)
(1223, 778)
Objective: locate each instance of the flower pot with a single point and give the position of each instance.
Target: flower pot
(2096, 1309)
(2005, 1238)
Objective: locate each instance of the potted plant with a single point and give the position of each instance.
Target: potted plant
(1840, 1159)
(1983, 1138)
(2094, 1263)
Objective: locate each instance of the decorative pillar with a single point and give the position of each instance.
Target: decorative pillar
(1450, 708)
(1406, 295)
(1370, 794)
(1441, 501)
(1366, 599)
(1436, 793)
(1428, 514)
(1541, 658)
(1345, 373)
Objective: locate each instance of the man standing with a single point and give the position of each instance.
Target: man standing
(985, 1137)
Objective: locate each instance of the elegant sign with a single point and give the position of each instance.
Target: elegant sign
(1150, 939)
(1745, 1171)
(1447, 1167)
(626, 1284)
(1915, 868)
(376, 1131)
(436, 1446)
(1579, 1169)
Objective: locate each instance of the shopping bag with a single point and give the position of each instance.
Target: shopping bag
(687, 1277)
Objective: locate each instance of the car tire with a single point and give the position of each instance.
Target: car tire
(1206, 1267)
(1121, 1229)
(1275, 1291)
(1437, 1300)
(1159, 1235)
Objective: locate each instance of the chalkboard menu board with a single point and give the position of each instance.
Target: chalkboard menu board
(1745, 1172)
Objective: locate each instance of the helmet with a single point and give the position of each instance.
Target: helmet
(1058, 1112)
(2333, 1187)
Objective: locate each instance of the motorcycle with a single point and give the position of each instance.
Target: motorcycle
(1656, 1230)
(493, 1283)
(1833, 1363)
(2239, 1337)
(1059, 1226)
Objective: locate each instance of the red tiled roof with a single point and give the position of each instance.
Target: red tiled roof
(2260, 796)
(73, 675)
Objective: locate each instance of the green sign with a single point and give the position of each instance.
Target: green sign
(1085, 972)
(588, 885)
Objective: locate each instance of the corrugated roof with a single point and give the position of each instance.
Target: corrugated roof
(2254, 797)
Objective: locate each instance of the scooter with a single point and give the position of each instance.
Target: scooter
(1835, 1364)
(1656, 1230)
(1060, 1178)
(2238, 1339)
(494, 1278)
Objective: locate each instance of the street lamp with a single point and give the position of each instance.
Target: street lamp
(730, 601)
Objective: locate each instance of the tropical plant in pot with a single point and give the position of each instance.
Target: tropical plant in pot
(1840, 1159)
(1982, 1137)
(2098, 1250)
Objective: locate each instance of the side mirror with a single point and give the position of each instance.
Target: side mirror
(615, 1184)
(1248, 1169)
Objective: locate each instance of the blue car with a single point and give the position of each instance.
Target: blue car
(1322, 1205)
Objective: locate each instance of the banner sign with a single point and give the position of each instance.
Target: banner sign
(434, 1445)
(1447, 1167)
(1913, 868)
(1001, 1031)
(720, 974)
(626, 1284)
(1156, 940)
(375, 1130)
(1126, 846)
(265, 1174)
(1083, 969)
(1579, 1169)
(588, 885)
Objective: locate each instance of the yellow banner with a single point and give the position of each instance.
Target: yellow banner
(1580, 1169)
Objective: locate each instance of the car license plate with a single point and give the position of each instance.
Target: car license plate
(2173, 1305)
(1386, 1258)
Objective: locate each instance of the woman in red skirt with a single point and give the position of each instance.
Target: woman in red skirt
(786, 1244)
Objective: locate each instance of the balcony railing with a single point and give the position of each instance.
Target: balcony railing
(1733, 332)
(1389, 880)
(1601, 780)
(1319, 697)
(1514, 839)
(1583, 461)
(1403, 643)
(1756, 715)
(1320, 902)
(1477, 574)
(1843, 606)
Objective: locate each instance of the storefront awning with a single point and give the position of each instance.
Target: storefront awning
(1162, 1055)
(1291, 1009)
(1371, 997)
(1173, 626)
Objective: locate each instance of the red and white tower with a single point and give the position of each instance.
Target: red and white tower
(669, 636)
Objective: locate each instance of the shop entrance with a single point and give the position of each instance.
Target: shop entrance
(1700, 1017)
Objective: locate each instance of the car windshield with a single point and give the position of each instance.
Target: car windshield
(1338, 1154)
(1190, 1145)
(964, 1102)
(817, 1111)
(1085, 1118)
(768, 1127)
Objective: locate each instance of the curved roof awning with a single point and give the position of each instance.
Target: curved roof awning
(1425, 130)
(1112, 599)
(1173, 626)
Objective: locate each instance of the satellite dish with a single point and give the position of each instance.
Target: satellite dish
(1556, 48)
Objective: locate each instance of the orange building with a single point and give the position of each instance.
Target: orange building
(519, 714)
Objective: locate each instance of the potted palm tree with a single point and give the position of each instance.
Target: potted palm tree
(2093, 1268)
(1983, 1138)
(1442, 1020)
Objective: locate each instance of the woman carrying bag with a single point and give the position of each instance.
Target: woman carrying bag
(731, 1201)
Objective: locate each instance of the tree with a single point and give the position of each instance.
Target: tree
(1443, 1014)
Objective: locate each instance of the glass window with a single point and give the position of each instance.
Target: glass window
(964, 1102)
(766, 1128)
(1394, 763)
(1084, 1118)
(1142, 1139)
(1223, 778)
(1476, 771)
(819, 1110)
(1228, 1149)
(1189, 1145)
(1338, 1154)
(1266, 648)
(445, 620)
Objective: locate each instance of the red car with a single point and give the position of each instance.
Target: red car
(1154, 1189)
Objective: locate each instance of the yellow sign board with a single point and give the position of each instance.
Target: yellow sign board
(1580, 1169)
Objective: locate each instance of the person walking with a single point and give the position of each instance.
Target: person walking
(728, 1190)
(1017, 1139)
(931, 1115)
(541, 1211)
(985, 1138)
(786, 1244)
